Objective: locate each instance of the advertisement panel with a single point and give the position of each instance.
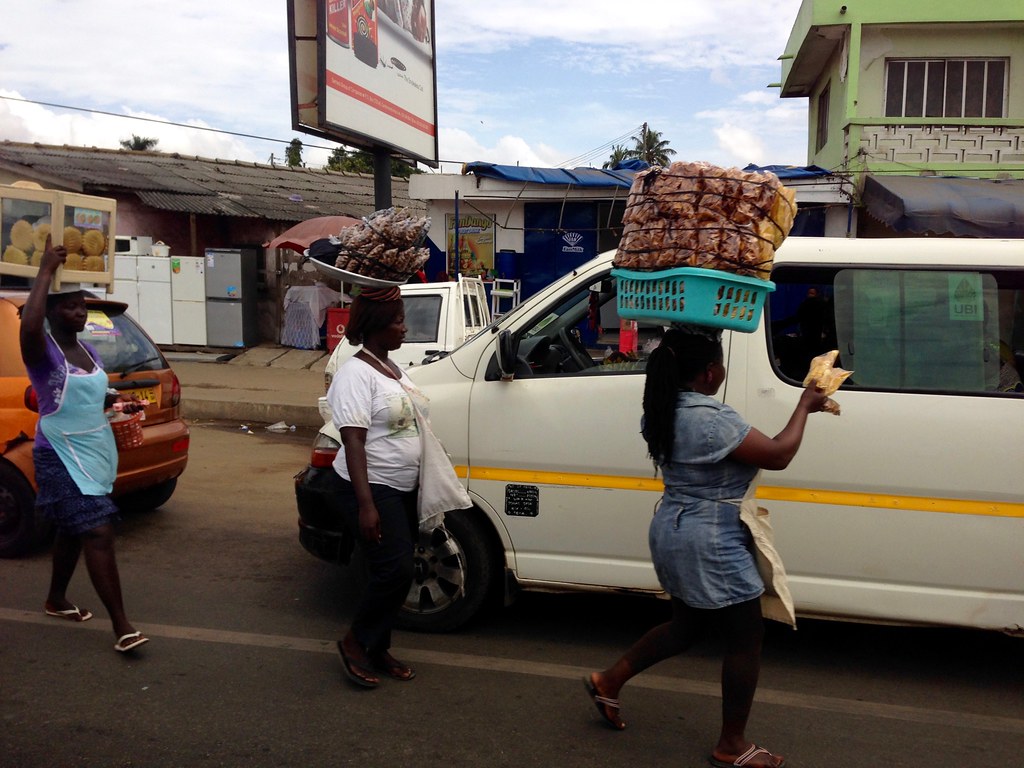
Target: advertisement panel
(363, 73)
(474, 251)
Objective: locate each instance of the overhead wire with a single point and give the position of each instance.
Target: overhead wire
(576, 160)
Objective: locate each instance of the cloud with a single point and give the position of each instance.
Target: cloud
(688, 34)
(535, 82)
(741, 145)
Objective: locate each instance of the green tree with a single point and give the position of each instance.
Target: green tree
(139, 143)
(619, 153)
(293, 154)
(361, 161)
(649, 146)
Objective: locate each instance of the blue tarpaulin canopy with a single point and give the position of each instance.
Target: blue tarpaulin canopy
(947, 205)
(577, 177)
(620, 176)
(785, 172)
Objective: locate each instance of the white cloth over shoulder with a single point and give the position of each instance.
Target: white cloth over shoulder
(440, 490)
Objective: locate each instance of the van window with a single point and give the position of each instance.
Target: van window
(583, 335)
(914, 330)
(422, 318)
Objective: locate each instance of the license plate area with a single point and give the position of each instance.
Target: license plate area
(152, 394)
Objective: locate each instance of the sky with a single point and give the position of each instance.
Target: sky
(552, 84)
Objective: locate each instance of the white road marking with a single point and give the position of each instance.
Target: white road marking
(961, 720)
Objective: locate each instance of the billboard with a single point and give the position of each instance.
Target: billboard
(362, 73)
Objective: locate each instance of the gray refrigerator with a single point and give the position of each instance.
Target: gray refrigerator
(231, 309)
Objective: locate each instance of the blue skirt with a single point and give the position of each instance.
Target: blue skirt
(703, 554)
(60, 500)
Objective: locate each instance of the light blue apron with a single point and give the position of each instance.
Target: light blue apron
(80, 434)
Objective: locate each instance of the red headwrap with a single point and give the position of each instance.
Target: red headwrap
(390, 293)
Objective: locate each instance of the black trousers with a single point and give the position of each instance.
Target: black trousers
(390, 563)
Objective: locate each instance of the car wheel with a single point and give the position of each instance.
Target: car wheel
(148, 498)
(455, 574)
(21, 528)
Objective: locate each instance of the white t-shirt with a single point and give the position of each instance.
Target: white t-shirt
(361, 396)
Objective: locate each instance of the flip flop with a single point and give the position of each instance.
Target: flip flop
(357, 673)
(392, 667)
(130, 641)
(746, 757)
(609, 708)
(74, 613)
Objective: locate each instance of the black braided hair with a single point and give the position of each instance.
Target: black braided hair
(682, 355)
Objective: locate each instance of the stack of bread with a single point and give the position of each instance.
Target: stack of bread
(28, 242)
(387, 245)
(700, 215)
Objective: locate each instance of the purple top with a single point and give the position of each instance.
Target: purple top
(48, 378)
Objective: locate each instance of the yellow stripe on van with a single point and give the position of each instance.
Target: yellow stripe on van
(764, 492)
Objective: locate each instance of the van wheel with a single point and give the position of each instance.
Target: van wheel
(21, 529)
(455, 574)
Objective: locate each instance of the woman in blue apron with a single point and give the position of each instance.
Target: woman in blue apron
(75, 456)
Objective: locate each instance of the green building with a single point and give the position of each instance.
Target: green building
(921, 103)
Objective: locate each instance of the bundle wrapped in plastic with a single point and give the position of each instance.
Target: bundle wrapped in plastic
(700, 215)
(386, 246)
(827, 377)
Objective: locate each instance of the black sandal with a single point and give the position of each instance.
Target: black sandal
(357, 673)
(392, 667)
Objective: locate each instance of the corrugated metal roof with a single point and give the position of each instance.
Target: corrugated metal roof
(204, 186)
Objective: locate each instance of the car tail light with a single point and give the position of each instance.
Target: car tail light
(179, 446)
(31, 401)
(323, 457)
(175, 390)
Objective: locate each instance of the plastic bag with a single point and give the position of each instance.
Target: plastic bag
(827, 377)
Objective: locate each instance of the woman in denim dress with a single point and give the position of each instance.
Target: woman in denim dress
(701, 550)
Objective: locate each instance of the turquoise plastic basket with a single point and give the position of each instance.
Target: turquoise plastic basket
(691, 295)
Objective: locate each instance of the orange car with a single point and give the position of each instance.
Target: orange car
(146, 475)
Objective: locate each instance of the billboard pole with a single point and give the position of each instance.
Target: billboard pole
(381, 178)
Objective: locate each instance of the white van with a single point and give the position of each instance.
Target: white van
(909, 507)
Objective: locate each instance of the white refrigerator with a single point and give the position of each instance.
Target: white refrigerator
(126, 283)
(188, 299)
(155, 298)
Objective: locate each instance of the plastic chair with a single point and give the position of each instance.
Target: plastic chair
(504, 288)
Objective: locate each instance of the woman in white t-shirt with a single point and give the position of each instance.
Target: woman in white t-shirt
(378, 463)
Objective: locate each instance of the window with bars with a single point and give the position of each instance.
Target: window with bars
(946, 88)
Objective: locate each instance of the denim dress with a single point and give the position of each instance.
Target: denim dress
(702, 553)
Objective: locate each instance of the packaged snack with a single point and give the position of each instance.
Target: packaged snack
(827, 377)
(700, 215)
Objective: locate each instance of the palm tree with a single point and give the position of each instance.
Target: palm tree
(649, 146)
(619, 153)
(139, 143)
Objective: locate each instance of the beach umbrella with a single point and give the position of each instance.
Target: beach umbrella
(300, 236)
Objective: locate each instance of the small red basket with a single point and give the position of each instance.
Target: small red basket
(127, 430)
